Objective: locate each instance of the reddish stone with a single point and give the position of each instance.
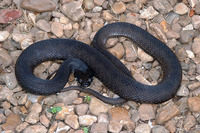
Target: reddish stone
(7, 15)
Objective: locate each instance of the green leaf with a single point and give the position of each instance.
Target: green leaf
(87, 99)
(58, 109)
(85, 129)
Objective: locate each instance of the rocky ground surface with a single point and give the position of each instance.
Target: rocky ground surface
(175, 22)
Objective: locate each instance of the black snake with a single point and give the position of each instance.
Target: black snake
(106, 67)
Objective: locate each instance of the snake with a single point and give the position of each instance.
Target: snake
(86, 61)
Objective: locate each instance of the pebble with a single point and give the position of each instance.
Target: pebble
(73, 10)
(183, 91)
(181, 8)
(197, 8)
(87, 120)
(118, 7)
(143, 128)
(81, 109)
(167, 112)
(5, 58)
(159, 32)
(107, 16)
(35, 129)
(162, 6)
(21, 127)
(57, 29)
(118, 113)
(88, 4)
(44, 120)
(171, 16)
(172, 34)
(193, 103)
(96, 106)
(64, 20)
(189, 122)
(131, 54)
(149, 13)
(103, 117)
(196, 21)
(36, 107)
(146, 112)
(72, 121)
(117, 50)
(181, 54)
(111, 42)
(68, 97)
(97, 9)
(43, 25)
(11, 123)
(155, 74)
(32, 117)
(98, 2)
(7, 15)
(186, 36)
(5, 92)
(190, 54)
(194, 85)
(26, 42)
(99, 128)
(38, 6)
(4, 35)
(159, 129)
(10, 80)
(114, 127)
(196, 45)
(144, 57)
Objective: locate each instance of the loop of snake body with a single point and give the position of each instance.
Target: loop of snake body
(105, 66)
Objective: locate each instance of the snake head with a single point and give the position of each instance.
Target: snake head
(84, 78)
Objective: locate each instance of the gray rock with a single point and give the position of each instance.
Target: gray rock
(196, 21)
(159, 129)
(88, 4)
(38, 5)
(81, 109)
(73, 10)
(181, 54)
(162, 6)
(183, 91)
(184, 20)
(43, 25)
(172, 34)
(99, 128)
(131, 54)
(155, 74)
(10, 80)
(186, 36)
(68, 97)
(4, 93)
(197, 8)
(5, 58)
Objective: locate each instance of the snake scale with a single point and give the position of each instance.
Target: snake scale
(105, 66)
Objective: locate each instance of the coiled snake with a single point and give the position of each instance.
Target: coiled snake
(106, 67)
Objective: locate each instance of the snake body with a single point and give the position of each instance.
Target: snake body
(106, 67)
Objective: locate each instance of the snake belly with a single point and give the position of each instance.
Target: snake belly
(107, 68)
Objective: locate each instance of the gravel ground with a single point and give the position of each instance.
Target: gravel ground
(175, 22)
